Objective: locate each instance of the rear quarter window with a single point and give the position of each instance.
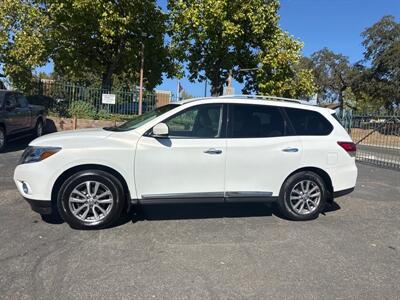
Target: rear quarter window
(308, 122)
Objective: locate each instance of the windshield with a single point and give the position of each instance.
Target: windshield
(143, 119)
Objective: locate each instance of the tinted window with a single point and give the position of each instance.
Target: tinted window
(255, 121)
(307, 122)
(1, 100)
(203, 121)
(10, 100)
(21, 101)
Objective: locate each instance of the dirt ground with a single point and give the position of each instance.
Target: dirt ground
(375, 139)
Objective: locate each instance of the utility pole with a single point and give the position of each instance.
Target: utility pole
(178, 87)
(141, 80)
(229, 88)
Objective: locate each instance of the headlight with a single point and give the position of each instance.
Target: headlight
(35, 154)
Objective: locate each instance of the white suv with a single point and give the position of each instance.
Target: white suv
(206, 150)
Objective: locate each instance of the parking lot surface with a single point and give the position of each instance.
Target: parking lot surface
(207, 251)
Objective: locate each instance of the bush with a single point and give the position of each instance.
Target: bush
(82, 109)
(103, 114)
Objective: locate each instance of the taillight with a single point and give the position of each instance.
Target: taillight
(349, 147)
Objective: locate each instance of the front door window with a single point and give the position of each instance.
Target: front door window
(203, 121)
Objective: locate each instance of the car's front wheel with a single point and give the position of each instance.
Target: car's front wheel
(303, 196)
(38, 129)
(2, 139)
(91, 199)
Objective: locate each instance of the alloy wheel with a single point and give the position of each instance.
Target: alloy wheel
(305, 197)
(39, 129)
(91, 201)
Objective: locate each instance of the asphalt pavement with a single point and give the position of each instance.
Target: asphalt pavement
(240, 251)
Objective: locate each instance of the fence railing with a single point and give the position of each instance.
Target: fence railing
(377, 137)
(59, 97)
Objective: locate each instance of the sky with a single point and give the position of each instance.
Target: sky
(335, 24)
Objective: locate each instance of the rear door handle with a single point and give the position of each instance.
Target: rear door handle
(290, 150)
(213, 151)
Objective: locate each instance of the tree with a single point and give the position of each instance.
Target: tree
(23, 40)
(99, 37)
(106, 37)
(382, 52)
(214, 38)
(283, 72)
(331, 72)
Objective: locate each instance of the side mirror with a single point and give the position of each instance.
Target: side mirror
(160, 130)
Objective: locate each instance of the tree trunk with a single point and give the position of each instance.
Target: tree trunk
(217, 83)
(341, 102)
(217, 87)
(106, 82)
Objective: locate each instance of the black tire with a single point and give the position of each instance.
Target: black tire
(286, 207)
(38, 131)
(104, 178)
(2, 139)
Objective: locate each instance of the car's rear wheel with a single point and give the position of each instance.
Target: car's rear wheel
(303, 196)
(2, 139)
(38, 128)
(91, 199)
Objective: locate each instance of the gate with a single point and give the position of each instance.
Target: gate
(377, 137)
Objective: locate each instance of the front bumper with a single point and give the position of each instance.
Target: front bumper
(33, 186)
(41, 207)
(34, 181)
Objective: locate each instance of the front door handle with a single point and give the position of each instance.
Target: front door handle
(213, 151)
(290, 149)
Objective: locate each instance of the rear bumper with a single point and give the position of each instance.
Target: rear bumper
(343, 177)
(41, 207)
(341, 193)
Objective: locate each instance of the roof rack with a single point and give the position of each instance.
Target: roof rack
(262, 97)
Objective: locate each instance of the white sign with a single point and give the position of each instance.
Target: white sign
(108, 98)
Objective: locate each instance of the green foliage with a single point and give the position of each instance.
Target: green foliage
(82, 109)
(382, 51)
(105, 37)
(214, 37)
(331, 71)
(282, 73)
(103, 114)
(366, 86)
(83, 37)
(23, 40)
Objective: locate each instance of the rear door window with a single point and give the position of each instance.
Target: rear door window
(255, 121)
(308, 122)
(21, 101)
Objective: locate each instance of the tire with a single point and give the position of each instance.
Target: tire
(2, 139)
(294, 201)
(38, 129)
(83, 210)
